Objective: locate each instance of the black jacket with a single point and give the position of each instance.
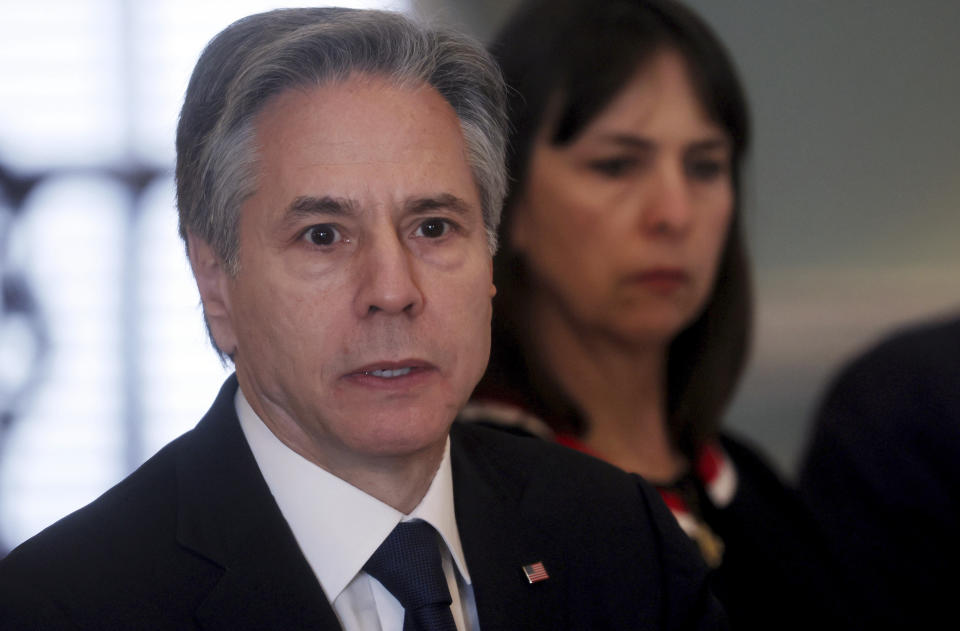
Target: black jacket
(882, 473)
(194, 540)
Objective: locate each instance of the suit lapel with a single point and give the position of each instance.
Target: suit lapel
(498, 540)
(228, 516)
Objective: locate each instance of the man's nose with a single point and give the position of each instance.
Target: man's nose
(387, 277)
(667, 208)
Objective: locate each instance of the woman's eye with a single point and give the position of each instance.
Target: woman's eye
(614, 167)
(706, 169)
(433, 228)
(322, 234)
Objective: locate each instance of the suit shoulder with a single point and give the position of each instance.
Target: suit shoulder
(912, 376)
(607, 527)
(115, 525)
(909, 354)
(114, 561)
(524, 452)
(561, 478)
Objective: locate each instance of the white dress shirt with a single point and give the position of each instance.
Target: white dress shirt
(338, 527)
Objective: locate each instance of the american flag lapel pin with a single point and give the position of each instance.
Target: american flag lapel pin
(535, 572)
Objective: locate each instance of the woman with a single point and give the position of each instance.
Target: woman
(623, 307)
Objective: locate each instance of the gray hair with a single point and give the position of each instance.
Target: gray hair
(262, 55)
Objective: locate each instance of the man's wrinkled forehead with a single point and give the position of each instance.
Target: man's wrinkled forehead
(363, 120)
(342, 148)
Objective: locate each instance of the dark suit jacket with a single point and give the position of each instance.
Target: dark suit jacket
(194, 539)
(882, 473)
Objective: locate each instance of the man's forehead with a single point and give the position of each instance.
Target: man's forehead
(360, 119)
(368, 101)
(348, 146)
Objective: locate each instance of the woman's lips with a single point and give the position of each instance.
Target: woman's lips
(663, 280)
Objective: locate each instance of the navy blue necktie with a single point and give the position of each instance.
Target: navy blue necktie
(408, 564)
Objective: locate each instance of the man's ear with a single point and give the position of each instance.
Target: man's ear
(212, 280)
(493, 288)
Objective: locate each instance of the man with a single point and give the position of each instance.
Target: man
(882, 473)
(339, 176)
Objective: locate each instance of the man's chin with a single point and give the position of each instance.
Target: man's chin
(407, 438)
(401, 435)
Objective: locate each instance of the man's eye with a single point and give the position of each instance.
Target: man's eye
(322, 234)
(433, 228)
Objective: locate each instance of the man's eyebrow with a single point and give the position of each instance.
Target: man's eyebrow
(443, 201)
(306, 206)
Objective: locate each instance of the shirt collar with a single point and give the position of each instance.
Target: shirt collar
(338, 526)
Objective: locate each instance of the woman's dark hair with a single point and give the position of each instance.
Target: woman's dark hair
(575, 56)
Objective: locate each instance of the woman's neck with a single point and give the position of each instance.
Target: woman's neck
(620, 389)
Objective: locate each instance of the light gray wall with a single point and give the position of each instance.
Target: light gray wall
(854, 187)
(855, 208)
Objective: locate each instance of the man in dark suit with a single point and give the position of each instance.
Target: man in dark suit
(882, 473)
(339, 179)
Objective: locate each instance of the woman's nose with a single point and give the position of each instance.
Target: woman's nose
(668, 210)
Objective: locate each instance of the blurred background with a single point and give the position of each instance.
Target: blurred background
(853, 215)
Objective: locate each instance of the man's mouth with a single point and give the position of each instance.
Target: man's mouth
(389, 370)
(387, 373)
